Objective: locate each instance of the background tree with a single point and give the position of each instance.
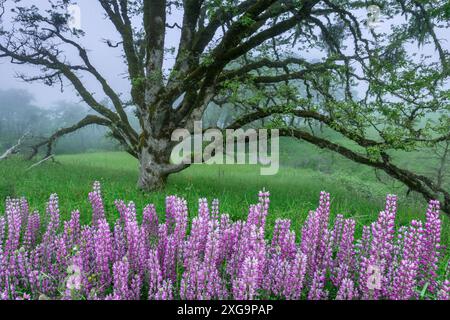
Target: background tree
(291, 55)
(19, 115)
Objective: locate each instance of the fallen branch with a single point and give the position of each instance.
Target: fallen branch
(15, 148)
(41, 162)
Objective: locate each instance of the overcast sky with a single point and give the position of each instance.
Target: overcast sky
(107, 60)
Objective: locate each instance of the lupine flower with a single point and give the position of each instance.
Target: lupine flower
(346, 290)
(154, 274)
(444, 292)
(344, 263)
(404, 281)
(32, 231)
(217, 258)
(432, 247)
(165, 291)
(121, 271)
(150, 223)
(103, 252)
(317, 291)
(245, 285)
(95, 197)
(295, 278)
(2, 230)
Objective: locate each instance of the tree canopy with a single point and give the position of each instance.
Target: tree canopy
(292, 63)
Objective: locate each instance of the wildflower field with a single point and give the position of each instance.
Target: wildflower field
(212, 256)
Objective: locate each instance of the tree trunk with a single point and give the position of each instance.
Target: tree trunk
(154, 161)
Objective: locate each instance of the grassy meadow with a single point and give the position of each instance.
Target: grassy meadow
(355, 190)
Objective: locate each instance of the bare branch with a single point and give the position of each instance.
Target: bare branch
(15, 148)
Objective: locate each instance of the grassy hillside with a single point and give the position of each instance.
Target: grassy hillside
(294, 191)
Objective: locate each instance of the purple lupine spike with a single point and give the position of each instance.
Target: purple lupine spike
(203, 209)
(276, 273)
(245, 286)
(344, 263)
(24, 212)
(264, 203)
(72, 229)
(122, 208)
(315, 241)
(215, 209)
(284, 239)
(2, 230)
(150, 222)
(346, 290)
(251, 239)
(432, 246)
(143, 250)
(181, 224)
(14, 220)
(53, 225)
(382, 245)
(170, 220)
(154, 274)
(444, 292)
(162, 245)
(2, 268)
(136, 285)
(294, 281)
(225, 221)
(337, 230)
(87, 254)
(121, 271)
(317, 290)
(32, 231)
(196, 242)
(165, 291)
(404, 281)
(95, 197)
(201, 279)
(133, 237)
(58, 269)
(103, 248)
(120, 245)
(131, 215)
(170, 259)
(257, 214)
(413, 245)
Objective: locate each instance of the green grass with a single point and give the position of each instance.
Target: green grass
(294, 191)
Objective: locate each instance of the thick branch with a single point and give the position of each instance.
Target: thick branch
(88, 120)
(421, 184)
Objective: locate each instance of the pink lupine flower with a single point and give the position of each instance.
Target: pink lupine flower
(154, 274)
(103, 252)
(2, 230)
(344, 263)
(317, 291)
(432, 247)
(404, 281)
(121, 272)
(165, 291)
(295, 278)
(444, 292)
(245, 285)
(217, 258)
(346, 290)
(150, 223)
(95, 197)
(14, 219)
